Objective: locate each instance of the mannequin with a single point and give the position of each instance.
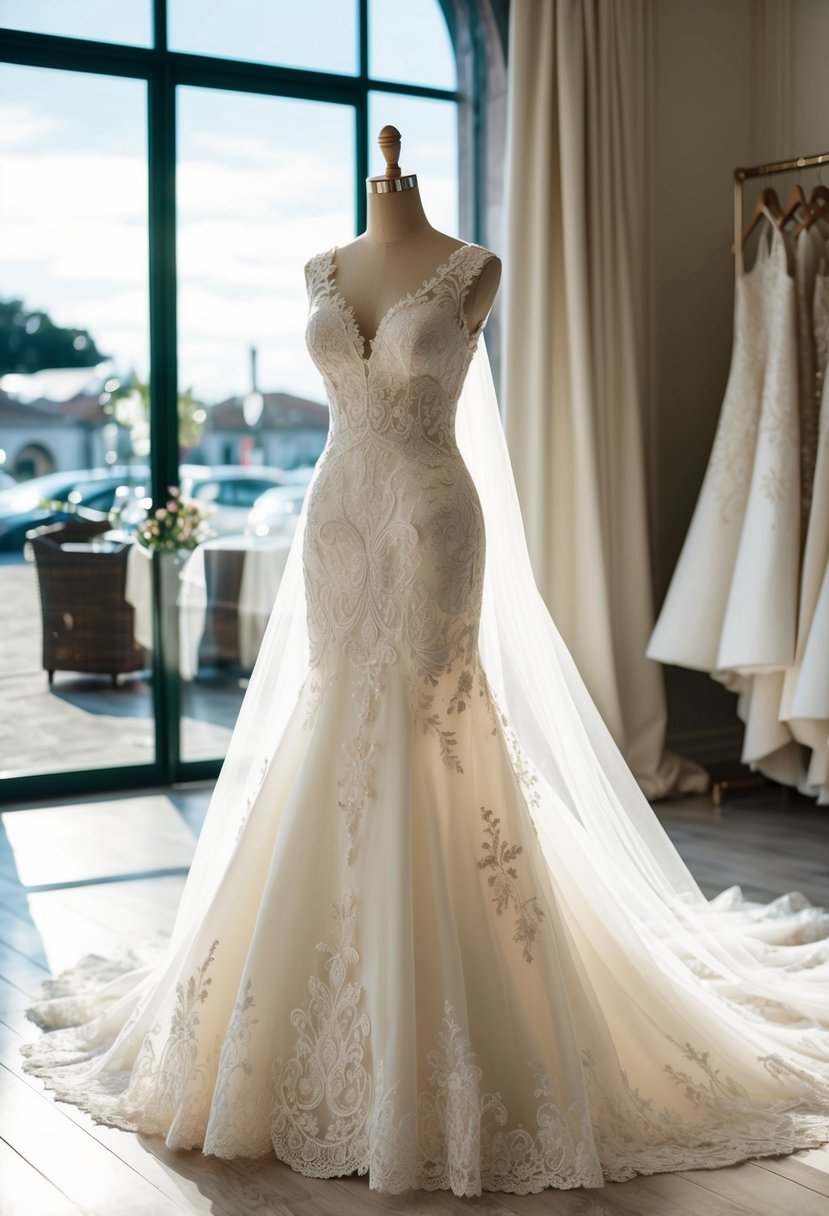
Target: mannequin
(400, 249)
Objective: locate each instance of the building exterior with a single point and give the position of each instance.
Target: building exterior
(43, 436)
(290, 432)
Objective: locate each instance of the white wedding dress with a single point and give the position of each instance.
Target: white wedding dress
(760, 529)
(433, 932)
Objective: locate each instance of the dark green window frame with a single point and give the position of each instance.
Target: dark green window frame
(164, 70)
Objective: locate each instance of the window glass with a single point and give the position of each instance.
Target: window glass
(410, 42)
(75, 661)
(263, 183)
(317, 34)
(126, 21)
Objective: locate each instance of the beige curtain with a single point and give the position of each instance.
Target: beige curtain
(573, 351)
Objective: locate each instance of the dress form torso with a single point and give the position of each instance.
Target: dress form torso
(393, 257)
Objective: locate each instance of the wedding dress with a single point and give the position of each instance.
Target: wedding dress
(760, 503)
(805, 697)
(433, 932)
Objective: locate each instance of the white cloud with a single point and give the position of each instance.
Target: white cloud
(21, 124)
(73, 240)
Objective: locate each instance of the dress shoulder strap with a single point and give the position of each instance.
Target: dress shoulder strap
(455, 279)
(464, 274)
(318, 274)
(467, 267)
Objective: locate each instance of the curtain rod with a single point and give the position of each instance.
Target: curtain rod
(741, 175)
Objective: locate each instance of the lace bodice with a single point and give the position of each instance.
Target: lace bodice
(393, 551)
(405, 387)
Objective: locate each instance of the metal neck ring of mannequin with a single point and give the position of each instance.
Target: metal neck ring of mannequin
(391, 185)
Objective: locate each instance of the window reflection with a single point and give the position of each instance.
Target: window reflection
(263, 183)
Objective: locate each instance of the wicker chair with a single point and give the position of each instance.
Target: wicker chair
(87, 623)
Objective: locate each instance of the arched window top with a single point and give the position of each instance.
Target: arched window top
(411, 42)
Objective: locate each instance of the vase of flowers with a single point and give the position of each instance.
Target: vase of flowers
(169, 535)
(180, 524)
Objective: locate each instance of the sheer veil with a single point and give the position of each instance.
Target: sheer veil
(628, 902)
(528, 668)
(616, 841)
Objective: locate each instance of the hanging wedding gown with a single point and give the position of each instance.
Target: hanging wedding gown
(804, 702)
(754, 512)
(433, 931)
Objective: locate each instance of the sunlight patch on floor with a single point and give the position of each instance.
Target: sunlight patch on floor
(103, 919)
(97, 840)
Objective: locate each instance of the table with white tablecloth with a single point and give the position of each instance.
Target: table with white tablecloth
(138, 591)
(263, 562)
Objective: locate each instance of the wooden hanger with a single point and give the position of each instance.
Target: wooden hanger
(797, 201)
(767, 201)
(818, 208)
(820, 192)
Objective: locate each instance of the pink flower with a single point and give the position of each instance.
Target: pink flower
(173, 491)
(160, 513)
(172, 505)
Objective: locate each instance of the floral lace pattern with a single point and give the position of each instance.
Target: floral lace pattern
(240, 1108)
(323, 1092)
(394, 544)
(498, 857)
(170, 1090)
(458, 1138)
(755, 408)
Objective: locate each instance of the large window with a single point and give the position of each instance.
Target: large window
(160, 190)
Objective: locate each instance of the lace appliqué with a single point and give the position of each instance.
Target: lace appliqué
(458, 1138)
(634, 1137)
(170, 1093)
(323, 1092)
(498, 857)
(394, 546)
(241, 1106)
(753, 410)
(356, 779)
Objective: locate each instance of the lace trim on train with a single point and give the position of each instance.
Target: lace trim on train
(458, 1138)
(319, 1116)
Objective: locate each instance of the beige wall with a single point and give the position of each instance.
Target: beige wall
(733, 82)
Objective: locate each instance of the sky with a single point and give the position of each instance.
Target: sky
(262, 182)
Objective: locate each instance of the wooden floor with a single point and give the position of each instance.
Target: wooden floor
(87, 876)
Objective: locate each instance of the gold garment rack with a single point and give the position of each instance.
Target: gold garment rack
(743, 175)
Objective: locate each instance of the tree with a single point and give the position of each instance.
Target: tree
(129, 405)
(31, 342)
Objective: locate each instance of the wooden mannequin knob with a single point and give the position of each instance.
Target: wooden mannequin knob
(389, 141)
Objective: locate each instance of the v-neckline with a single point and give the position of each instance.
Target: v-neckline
(361, 344)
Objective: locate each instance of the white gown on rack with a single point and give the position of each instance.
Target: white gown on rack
(754, 514)
(805, 695)
(433, 931)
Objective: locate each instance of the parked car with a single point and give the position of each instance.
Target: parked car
(275, 513)
(231, 490)
(90, 493)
